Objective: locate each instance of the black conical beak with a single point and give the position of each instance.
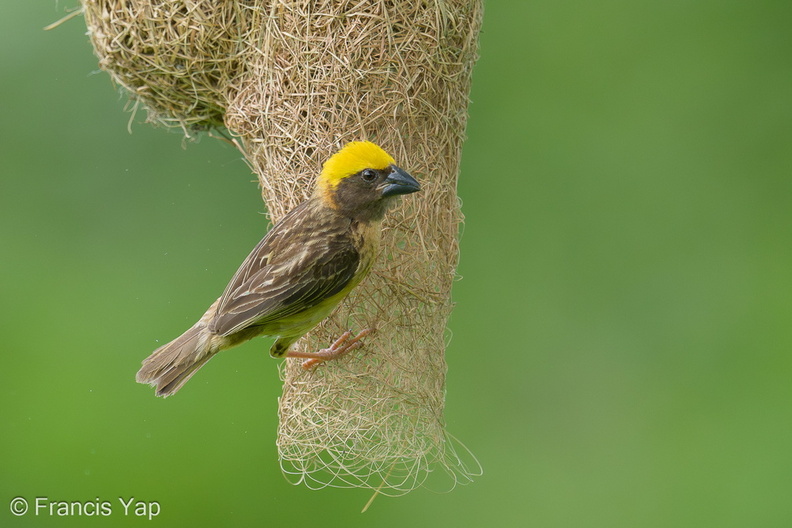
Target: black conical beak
(399, 182)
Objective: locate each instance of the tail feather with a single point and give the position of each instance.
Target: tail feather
(171, 365)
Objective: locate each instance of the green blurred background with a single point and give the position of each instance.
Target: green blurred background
(621, 351)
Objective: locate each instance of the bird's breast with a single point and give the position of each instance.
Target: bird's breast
(365, 238)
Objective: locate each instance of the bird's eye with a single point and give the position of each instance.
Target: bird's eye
(368, 175)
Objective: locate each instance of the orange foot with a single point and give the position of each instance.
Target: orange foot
(341, 346)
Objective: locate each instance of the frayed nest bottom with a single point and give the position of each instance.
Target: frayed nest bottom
(374, 447)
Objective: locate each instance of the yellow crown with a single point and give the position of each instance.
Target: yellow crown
(351, 159)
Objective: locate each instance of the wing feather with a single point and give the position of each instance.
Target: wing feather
(286, 274)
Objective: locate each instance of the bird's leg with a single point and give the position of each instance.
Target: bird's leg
(341, 346)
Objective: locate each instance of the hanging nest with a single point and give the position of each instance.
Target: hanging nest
(176, 58)
(294, 81)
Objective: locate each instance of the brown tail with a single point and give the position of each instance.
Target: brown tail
(170, 366)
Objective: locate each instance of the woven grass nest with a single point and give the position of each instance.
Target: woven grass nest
(293, 81)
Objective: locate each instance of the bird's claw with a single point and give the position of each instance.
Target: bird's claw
(341, 346)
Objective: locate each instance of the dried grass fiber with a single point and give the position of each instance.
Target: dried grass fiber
(294, 81)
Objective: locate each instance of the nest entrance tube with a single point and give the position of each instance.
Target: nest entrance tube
(294, 81)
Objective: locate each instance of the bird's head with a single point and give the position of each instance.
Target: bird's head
(361, 180)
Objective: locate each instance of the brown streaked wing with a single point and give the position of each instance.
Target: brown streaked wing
(259, 258)
(277, 291)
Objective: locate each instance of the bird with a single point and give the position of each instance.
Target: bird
(298, 273)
